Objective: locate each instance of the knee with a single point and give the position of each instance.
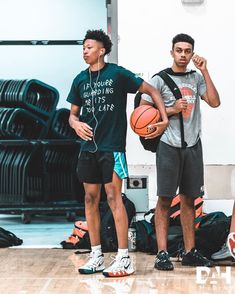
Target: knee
(90, 199)
(187, 201)
(164, 203)
(112, 200)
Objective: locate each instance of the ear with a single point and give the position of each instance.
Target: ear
(102, 51)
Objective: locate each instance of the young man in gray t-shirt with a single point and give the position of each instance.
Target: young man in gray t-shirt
(180, 169)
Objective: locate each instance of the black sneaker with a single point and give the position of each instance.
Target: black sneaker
(162, 261)
(195, 258)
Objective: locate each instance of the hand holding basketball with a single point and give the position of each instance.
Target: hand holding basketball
(143, 118)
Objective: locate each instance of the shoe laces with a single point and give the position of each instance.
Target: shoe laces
(162, 255)
(93, 259)
(197, 254)
(224, 246)
(117, 263)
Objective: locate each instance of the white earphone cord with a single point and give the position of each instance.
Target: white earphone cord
(93, 108)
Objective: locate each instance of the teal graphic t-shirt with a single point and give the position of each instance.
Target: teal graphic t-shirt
(102, 97)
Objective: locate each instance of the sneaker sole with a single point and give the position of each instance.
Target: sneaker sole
(225, 262)
(89, 272)
(194, 265)
(164, 269)
(228, 258)
(117, 275)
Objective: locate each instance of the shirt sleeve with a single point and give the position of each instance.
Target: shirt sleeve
(155, 81)
(131, 81)
(201, 85)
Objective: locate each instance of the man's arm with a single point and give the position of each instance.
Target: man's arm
(82, 129)
(211, 96)
(157, 99)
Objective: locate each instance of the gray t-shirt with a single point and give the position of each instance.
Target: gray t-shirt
(192, 86)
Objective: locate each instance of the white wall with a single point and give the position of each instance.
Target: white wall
(47, 20)
(146, 29)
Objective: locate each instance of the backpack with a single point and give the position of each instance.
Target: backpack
(8, 239)
(175, 212)
(145, 236)
(212, 233)
(108, 231)
(79, 239)
(152, 144)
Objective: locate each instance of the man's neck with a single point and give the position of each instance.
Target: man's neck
(176, 68)
(97, 66)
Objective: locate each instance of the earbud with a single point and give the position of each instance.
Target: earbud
(101, 52)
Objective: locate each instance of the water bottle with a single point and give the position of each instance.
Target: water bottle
(132, 237)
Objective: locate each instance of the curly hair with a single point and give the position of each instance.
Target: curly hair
(182, 38)
(100, 36)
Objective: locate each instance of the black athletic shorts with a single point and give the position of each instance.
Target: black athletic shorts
(179, 170)
(98, 167)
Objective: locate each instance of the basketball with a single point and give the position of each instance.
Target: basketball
(142, 117)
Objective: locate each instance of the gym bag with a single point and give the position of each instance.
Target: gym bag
(108, 231)
(8, 239)
(79, 239)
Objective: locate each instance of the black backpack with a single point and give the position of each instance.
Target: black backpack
(108, 232)
(209, 237)
(151, 144)
(8, 239)
(145, 237)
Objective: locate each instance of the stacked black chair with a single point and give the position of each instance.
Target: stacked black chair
(38, 148)
(59, 158)
(33, 95)
(18, 123)
(21, 173)
(60, 129)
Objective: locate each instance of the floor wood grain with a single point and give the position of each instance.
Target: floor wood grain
(54, 271)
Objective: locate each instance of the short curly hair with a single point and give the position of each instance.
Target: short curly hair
(182, 38)
(100, 36)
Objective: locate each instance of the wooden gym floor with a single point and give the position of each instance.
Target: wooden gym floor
(50, 271)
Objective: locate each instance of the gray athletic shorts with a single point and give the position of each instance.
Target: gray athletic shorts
(179, 170)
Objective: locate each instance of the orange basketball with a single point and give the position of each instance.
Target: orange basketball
(142, 117)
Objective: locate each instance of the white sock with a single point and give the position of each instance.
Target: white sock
(96, 249)
(122, 252)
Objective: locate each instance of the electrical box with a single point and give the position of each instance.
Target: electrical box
(136, 189)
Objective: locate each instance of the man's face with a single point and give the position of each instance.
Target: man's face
(182, 53)
(92, 51)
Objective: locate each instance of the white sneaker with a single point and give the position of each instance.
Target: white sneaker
(95, 264)
(120, 267)
(222, 254)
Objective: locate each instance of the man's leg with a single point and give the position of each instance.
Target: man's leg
(231, 236)
(191, 257)
(187, 218)
(161, 218)
(122, 265)
(96, 259)
(114, 198)
(92, 199)
(232, 226)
